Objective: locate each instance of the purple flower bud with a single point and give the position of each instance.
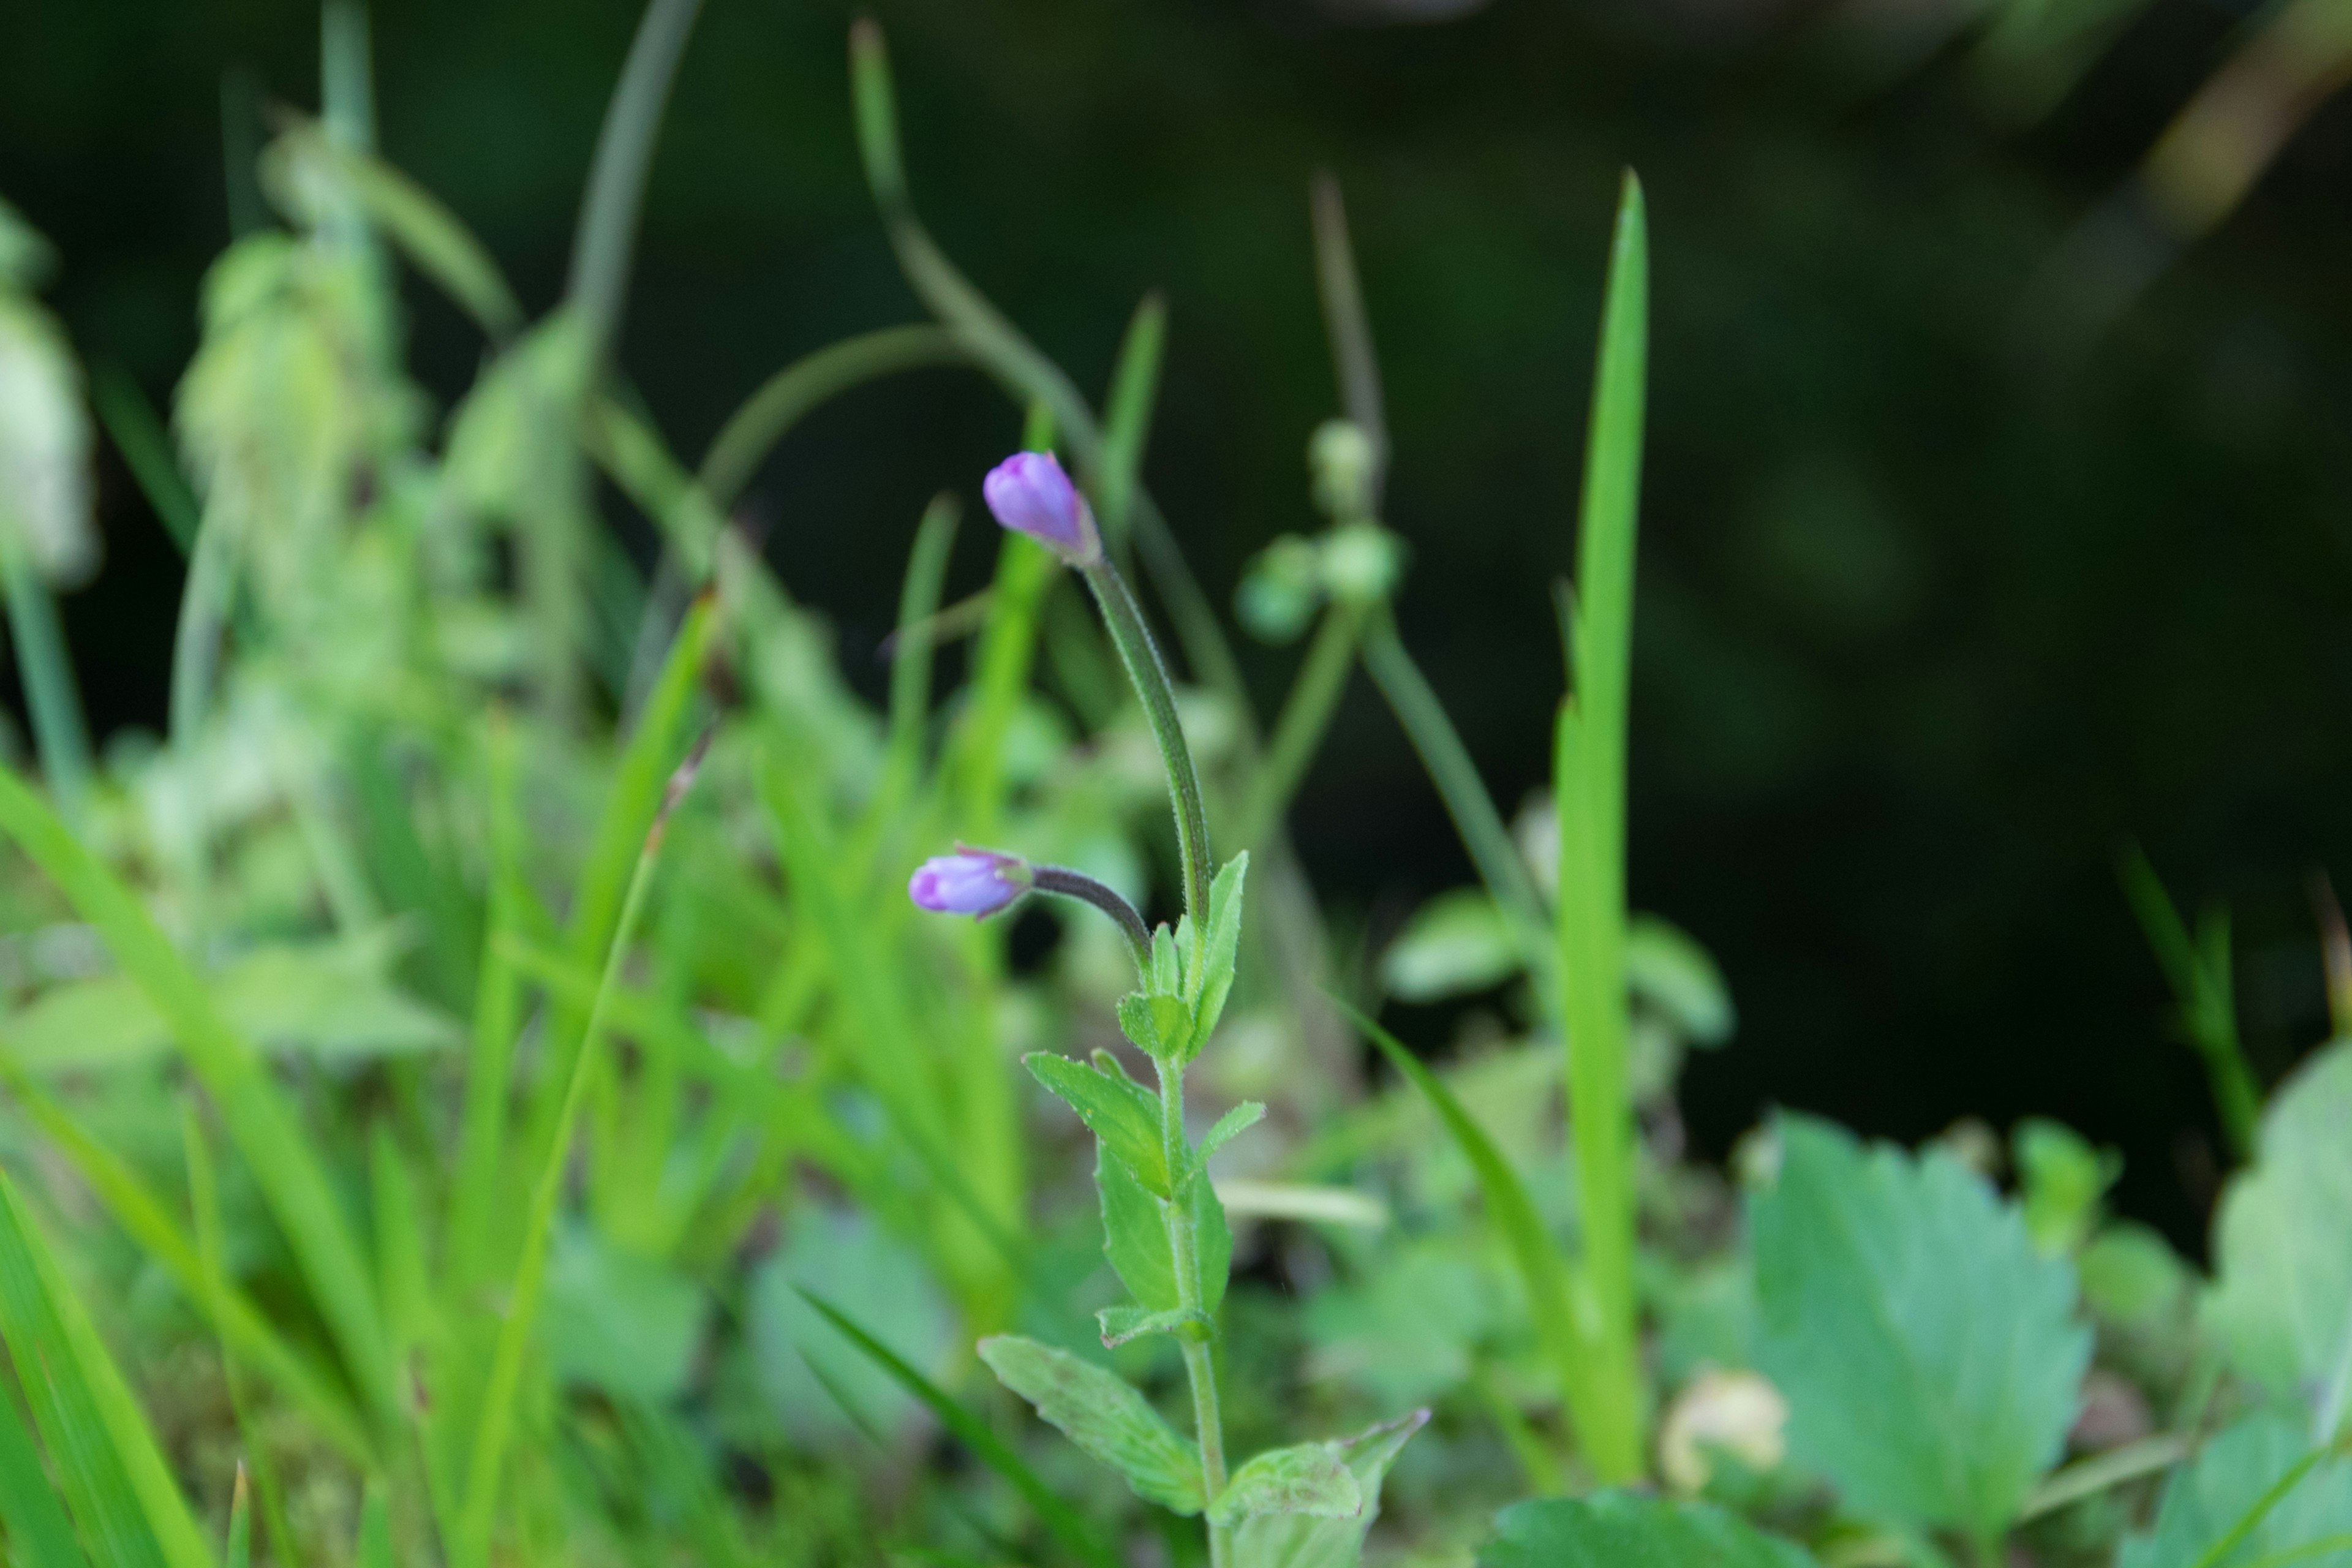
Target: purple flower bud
(969, 882)
(1030, 494)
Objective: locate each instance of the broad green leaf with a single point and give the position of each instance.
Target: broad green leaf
(1305, 1479)
(1229, 1126)
(2283, 1301)
(1122, 1114)
(1120, 1324)
(2131, 1276)
(45, 444)
(1135, 1236)
(334, 1000)
(2223, 1492)
(1304, 1541)
(1929, 1355)
(846, 1259)
(40, 1532)
(1058, 1518)
(1620, 1529)
(1457, 943)
(615, 1322)
(1103, 1416)
(2061, 1179)
(1216, 980)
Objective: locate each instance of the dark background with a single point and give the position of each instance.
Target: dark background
(1929, 622)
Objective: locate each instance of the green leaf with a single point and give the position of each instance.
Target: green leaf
(1215, 982)
(816, 1385)
(2283, 1303)
(39, 1533)
(1233, 1123)
(2223, 1492)
(1135, 1236)
(1212, 1243)
(1120, 1324)
(1305, 1541)
(2061, 1179)
(1103, 1416)
(1929, 1355)
(1120, 1112)
(1667, 969)
(615, 1322)
(1160, 1025)
(1308, 1478)
(1620, 1529)
(1457, 943)
(1058, 1518)
(1167, 969)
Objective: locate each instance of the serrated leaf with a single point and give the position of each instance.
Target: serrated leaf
(1308, 1478)
(1233, 1123)
(1120, 1112)
(1103, 1416)
(1120, 1324)
(2283, 1303)
(1620, 1529)
(1304, 1541)
(2221, 1491)
(1216, 978)
(1160, 1026)
(1929, 1355)
(1135, 1235)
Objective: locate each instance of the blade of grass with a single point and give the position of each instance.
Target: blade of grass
(788, 396)
(1127, 414)
(616, 179)
(240, 1552)
(45, 668)
(204, 1200)
(99, 1419)
(910, 655)
(150, 1225)
(1589, 792)
(39, 1533)
(260, 1123)
(146, 451)
(1543, 1272)
(1061, 1522)
(505, 1380)
(497, 1018)
(2198, 974)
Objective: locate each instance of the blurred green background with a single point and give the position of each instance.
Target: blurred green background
(1965, 556)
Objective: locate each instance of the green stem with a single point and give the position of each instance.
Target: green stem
(1183, 1247)
(1141, 654)
(58, 733)
(1314, 696)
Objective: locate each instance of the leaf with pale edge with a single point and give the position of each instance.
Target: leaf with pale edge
(1120, 1112)
(1120, 1324)
(1237, 1121)
(2282, 1240)
(1619, 1530)
(1305, 1541)
(1307, 1478)
(1103, 1416)
(1929, 1355)
(1216, 979)
(2217, 1492)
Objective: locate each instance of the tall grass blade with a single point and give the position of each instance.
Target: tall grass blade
(2199, 974)
(39, 1533)
(45, 667)
(504, 1384)
(146, 451)
(260, 1122)
(1589, 792)
(1127, 414)
(1061, 1522)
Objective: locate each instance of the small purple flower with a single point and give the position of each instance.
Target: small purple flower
(1030, 494)
(969, 882)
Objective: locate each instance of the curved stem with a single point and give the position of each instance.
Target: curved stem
(1141, 654)
(1069, 884)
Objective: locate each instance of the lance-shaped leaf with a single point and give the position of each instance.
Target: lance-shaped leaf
(1929, 1353)
(1215, 982)
(1103, 1416)
(1160, 1025)
(1307, 1478)
(1120, 1111)
(1306, 1541)
(1619, 1530)
(1120, 1324)
(1233, 1122)
(1134, 1239)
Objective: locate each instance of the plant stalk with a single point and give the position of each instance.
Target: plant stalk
(1183, 1246)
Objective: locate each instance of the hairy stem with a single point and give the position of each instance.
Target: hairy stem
(1183, 1247)
(1141, 654)
(1069, 884)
